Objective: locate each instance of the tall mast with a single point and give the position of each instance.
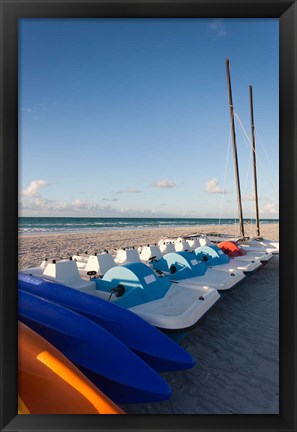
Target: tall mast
(234, 149)
(254, 160)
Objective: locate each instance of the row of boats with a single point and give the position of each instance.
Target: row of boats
(99, 328)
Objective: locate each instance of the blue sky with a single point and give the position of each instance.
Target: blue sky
(130, 117)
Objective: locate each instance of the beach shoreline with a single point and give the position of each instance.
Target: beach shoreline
(34, 248)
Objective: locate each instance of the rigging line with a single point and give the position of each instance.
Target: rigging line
(259, 141)
(235, 223)
(258, 158)
(247, 187)
(224, 182)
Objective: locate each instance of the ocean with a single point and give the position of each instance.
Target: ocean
(30, 225)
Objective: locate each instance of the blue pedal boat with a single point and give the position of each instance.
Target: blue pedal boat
(164, 304)
(213, 256)
(184, 267)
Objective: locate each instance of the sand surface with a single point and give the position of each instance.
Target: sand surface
(34, 248)
(236, 346)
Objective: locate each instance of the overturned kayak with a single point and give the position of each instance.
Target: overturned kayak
(48, 383)
(102, 358)
(186, 269)
(155, 348)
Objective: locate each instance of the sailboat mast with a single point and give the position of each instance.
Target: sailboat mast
(254, 160)
(234, 149)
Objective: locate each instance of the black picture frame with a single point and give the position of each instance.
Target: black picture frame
(11, 11)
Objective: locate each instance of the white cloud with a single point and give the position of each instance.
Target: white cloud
(129, 191)
(164, 184)
(42, 206)
(217, 26)
(109, 199)
(212, 187)
(33, 188)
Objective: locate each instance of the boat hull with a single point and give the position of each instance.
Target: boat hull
(109, 364)
(48, 383)
(145, 340)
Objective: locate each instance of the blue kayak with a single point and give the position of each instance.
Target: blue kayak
(108, 363)
(154, 347)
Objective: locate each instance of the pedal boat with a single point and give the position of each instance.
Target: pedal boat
(155, 348)
(183, 267)
(213, 256)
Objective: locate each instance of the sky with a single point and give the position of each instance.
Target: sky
(130, 117)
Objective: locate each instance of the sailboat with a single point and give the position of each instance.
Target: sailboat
(255, 245)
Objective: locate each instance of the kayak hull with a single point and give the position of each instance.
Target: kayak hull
(51, 384)
(119, 373)
(147, 342)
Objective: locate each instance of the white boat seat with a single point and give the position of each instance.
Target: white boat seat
(66, 272)
(204, 241)
(194, 244)
(149, 252)
(100, 263)
(167, 248)
(127, 255)
(181, 245)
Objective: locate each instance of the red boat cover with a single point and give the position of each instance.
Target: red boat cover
(232, 249)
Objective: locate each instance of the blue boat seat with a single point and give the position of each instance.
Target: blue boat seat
(211, 255)
(140, 282)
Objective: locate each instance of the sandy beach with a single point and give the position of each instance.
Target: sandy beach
(33, 248)
(236, 346)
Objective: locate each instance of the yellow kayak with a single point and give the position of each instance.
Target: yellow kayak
(48, 383)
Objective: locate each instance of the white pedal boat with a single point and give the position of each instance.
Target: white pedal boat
(235, 250)
(183, 267)
(214, 257)
(135, 286)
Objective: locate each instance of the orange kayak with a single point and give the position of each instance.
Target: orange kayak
(48, 383)
(22, 408)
